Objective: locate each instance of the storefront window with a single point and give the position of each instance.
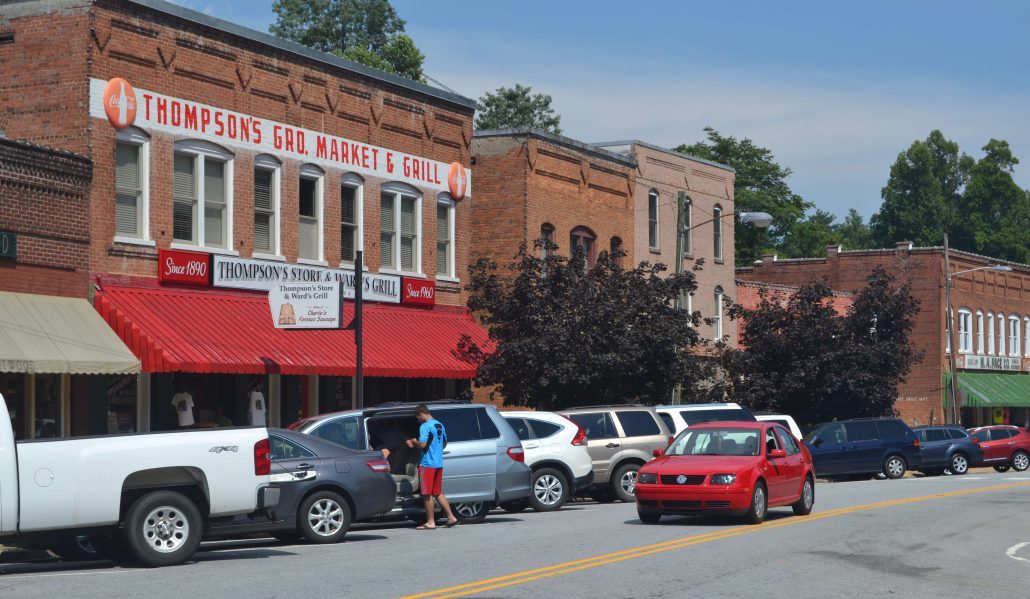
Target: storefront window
(334, 394)
(121, 404)
(12, 385)
(48, 406)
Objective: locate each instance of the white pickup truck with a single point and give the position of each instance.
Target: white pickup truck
(148, 494)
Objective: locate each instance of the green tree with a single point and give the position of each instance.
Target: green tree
(809, 238)
(564, 335)
(760, 185)
(994, 212)
(854, 233)
(801, 357)
(517, 107)
(365, 31)
(922, 192)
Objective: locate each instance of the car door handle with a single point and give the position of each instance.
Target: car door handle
(612, 445)
(305, 467)
(446, 452)
(532, 446)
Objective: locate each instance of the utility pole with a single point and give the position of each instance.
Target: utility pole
(948, 315)
(681, 225)
(359, 375)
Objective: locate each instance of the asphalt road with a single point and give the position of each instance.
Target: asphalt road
(916, 537)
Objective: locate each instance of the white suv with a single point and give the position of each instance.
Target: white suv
(682, 416)
(556, 451)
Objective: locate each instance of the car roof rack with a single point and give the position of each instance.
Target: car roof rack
(604, 406)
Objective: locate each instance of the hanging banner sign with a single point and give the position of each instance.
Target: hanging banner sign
(178, 266)
(176, 116)
(262, 275)
(305, 305)
(419, 292)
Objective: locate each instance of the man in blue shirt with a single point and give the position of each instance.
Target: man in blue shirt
(432, 438)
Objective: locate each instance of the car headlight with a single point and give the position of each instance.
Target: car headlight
(647, 478)
(723, 479)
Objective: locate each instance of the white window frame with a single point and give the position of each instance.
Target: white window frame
(444, 199)
(200, 150)
(652, 195)
(718, 329)
(979, 332)
(356, 183)
(990, 334)
(687, 224)
(316, 174)
(717, 244)
(397, 190)
(949, 316)
(271, 163)
(1014, 336)
(1026, 335)
(1001, 333)
(137, 137)
(965, 332)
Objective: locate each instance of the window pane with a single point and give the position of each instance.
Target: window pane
(262, 189)
(214, 202)
(543, 429)
(408, 216)
(214, 219)
(638, 424)
(262, 232)
(184, 198)
(442, 240)
(48, 406)
(598, 425)
(407, 253)
(487, 428)
(717, 232)
(861, 431)
(935, 435)
(308, 238)
(891, 429)
(283, 449)
(667, 419)
(997, 434)
(386, 213)
(342, 431)
(520, 427)
(460, 424)
(652, 219)
(386, 248)
(307, 197)
(126, 209)
(348, 197)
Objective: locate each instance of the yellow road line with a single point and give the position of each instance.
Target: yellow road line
(481, 586)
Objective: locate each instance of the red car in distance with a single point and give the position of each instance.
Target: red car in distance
(738, 468)
(1004, 446)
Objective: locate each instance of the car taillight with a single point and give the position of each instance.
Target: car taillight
(671, 439)
(581, 436)
(378, 465)
(517, 454)
(262, 458)
(975, 440)
(915, 442)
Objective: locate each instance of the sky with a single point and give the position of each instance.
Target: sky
(835, 90)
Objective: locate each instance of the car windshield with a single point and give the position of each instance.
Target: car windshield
(716, 441)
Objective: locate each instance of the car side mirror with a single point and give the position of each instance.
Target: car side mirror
(777, 453)
(658, 453)
(817, 442)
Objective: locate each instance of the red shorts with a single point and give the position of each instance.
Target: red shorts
(430, 480)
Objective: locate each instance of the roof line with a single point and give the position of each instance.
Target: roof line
(645, 144)
(267, 39)
(561, 140)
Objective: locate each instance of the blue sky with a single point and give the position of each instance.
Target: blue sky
(835, 90)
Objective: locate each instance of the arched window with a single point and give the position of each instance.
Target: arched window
(267, 171)
(132, 186)
(1001, 334)
(202, 195)
(717, 232)
(311, 206)
(1014, 335)
(615, 249)
(990, 333)
(965, 330)
(400, 228)
(688, 222)
(979, 332)
(652, 219)
(582, 239)
(352, 218)
(546, 239)
(717, 333)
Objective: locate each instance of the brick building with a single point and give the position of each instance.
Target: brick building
(225, 161)
(662, 175)
(51, 340)
(993, 325)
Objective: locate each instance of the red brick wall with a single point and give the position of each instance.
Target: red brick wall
(45, 202)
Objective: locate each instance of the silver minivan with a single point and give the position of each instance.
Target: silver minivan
(483, 460)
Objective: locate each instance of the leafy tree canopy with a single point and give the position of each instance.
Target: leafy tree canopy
(517, 107)
(802, 358)
(365, 31)
(563, 335)
(760, 185)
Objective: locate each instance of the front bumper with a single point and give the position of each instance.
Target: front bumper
(667, 499)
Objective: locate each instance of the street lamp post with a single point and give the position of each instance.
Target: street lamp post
(949, 318)
(758, 219)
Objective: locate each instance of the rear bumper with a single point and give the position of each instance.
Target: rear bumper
(268, 497)
(660, 499)
(582, 482)
(513, 482)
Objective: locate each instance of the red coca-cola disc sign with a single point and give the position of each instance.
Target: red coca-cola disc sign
(177, 266)
(418, 291)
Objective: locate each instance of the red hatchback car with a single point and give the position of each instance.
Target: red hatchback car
(739, 468)
(1004, 446)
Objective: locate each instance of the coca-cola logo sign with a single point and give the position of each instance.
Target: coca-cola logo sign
(177, 266)
(120, 103)
(418, 291)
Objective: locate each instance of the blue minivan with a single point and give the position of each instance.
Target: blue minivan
(863, 447)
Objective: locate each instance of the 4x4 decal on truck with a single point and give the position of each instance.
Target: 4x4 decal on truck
(221, 448)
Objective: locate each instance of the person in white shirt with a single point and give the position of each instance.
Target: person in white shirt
(182, 401)
(257, 407)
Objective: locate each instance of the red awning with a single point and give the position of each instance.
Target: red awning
(217, 331)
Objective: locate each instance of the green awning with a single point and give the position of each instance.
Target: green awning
(991, 390)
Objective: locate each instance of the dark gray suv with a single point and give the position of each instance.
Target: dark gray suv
(483, 461)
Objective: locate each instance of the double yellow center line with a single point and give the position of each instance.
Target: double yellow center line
(481, 586)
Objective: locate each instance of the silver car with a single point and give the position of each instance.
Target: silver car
(484, 463)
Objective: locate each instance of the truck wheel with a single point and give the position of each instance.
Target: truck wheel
(163, 528)
(324, 517)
